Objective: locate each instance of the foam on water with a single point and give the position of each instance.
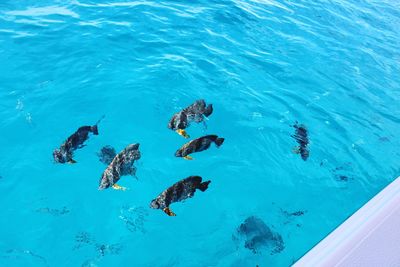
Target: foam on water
(332, 66)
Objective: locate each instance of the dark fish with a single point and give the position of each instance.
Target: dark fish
(295, 213)
(134, 218)
(301, 136)
(178, 192)
(107, 154)
(198, 145)
(75, 141)
(257, 234)
(105, 249)
(343, 173)
(384, 139)
(121, 165)
(194, 112)
(84, 239)
(55, 212)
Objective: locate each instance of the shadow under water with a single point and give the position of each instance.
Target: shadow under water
(257, 236)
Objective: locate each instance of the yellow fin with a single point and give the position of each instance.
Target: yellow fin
(182, 133)
(188, 157)
(118, 187)
(169, 212)
(71, 161)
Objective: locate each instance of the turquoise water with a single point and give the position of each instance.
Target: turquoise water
(332, 66)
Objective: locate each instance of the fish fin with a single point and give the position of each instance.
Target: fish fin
(182, 133)
(188, 157)
(95, 130)
(205, 125)
(133, 173)
(169, 212)
(296, 150)
(219, 141)
(204, 185)
(208, 111)
(72, 161)
(118, 187)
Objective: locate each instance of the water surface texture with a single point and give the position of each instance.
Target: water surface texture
(332, 66)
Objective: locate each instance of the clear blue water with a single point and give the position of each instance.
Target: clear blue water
(331, 65)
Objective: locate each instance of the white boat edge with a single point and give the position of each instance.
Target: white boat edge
(368, 238)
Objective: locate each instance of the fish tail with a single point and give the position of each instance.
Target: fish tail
(204, 185)
(101, 118)
(95, 130)
(219, 141)
(208, 110)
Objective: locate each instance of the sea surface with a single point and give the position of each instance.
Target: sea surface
(332, 66)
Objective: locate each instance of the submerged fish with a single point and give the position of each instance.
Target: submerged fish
(178, 192)
(75, 141)
(195, 112)
(55, 212)
(301, 136)
(295, 213)
(198, 145)
(257, 234)
(134, 218)
(85, 239)
(107, 154)
(344, 173)
(121, 165)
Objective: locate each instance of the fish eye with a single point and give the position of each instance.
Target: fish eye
(57, 155)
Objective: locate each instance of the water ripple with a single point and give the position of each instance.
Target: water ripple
(43, 11)
(264, 64)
